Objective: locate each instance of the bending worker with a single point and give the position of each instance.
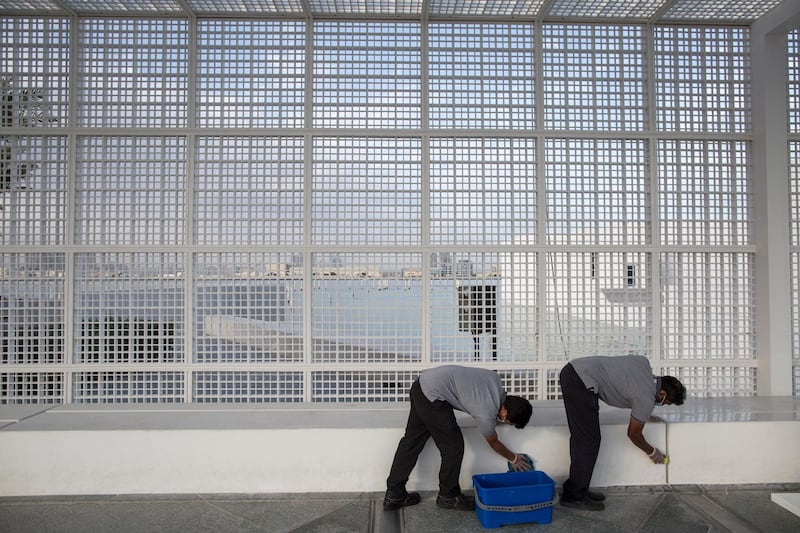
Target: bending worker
(623, 381)
(434, 396)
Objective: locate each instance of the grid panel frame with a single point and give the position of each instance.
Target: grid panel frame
(274, 7)
(371, 7)
(729, 9)
(251, 74)
(248, 308)
(483, 191)
(708, 306)
(366, 191)
(27, 388)
(32, 296)
(481, 76)
(715, 381)
(593, 77)
(483, 308)
(138, 6)
(367, 75)
(33, 204)
(359, 386)
(598, 303)
(128, 309)
(130, 190)
(128, 387)
(642, 9)
(248, 386)
(133, 73)
(552, 385)
(793, 80)
(702, 79)
(249, 191)
(705, 192)
(482, 8)
(365, 308)
(34, 62)
(598, 191)
(521, 382)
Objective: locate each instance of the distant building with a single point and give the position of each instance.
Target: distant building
(464, 268)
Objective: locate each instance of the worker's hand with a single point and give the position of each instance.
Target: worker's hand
(657, 457)
(521, 463)
(654, 418)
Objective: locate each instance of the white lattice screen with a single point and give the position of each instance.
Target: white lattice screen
(286, 211)
(793, 120)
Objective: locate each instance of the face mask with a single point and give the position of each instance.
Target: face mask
(662, 401)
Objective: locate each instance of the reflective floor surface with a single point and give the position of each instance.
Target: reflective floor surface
(684, 509)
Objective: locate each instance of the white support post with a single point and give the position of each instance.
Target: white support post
(770, 178)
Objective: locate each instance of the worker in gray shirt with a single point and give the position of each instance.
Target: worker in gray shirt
(624, 381)
(434, 396)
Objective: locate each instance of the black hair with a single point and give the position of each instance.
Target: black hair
(675, 390)
(519, 411)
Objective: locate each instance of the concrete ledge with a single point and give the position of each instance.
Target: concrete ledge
(80, 449)
(734, 452)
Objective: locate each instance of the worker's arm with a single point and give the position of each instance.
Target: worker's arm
(500, 448)
(635, 429)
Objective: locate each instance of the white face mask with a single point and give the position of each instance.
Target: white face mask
(662, 401)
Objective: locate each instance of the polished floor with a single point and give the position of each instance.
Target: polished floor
(685, 509)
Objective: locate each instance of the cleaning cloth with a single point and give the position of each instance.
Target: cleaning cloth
(525, 457)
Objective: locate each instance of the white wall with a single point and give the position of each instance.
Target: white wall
(83, 450)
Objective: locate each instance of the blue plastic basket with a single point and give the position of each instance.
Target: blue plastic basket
(514, 498)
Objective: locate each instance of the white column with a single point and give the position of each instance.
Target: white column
(770, 178)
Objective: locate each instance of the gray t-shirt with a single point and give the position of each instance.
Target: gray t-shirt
(623, 381)
(475, 391)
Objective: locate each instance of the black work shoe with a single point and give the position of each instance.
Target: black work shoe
(459, 502)
(392, 503)
(584, 504)
(595, 496)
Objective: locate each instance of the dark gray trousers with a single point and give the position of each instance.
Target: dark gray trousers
(428, 419)
(583, 411)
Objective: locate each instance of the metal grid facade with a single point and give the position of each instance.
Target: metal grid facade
(793, 123)
(291, 211)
